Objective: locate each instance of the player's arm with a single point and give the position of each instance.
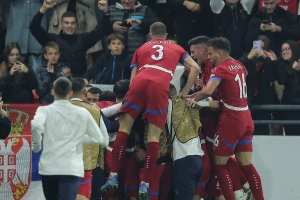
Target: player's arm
(204, 93)
(194, 69)
(133, 73)
(134, 65)
(210, 104)
(38, 128)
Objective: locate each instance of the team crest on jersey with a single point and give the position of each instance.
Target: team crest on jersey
(15, 167)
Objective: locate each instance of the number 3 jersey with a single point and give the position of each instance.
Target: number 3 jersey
(157, 59)
(232, 88)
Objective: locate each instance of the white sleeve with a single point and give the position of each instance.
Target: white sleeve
(248, 5)
(217, 6)
(38, 128)
(112, 110)
(93, 133)
(104, 133)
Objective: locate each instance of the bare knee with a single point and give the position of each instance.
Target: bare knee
(81, 197)
(197, 197)
(221, 160)
(153, 133)
(126, 122)
(220, 198)
(244, 158)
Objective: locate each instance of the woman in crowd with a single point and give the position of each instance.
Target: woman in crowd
(288, 87)
(16, 80)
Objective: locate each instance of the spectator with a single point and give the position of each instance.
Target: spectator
(231, 21)
(107, 96)
(260, 82)
(133, 20)
(274, 22)
(288, 72)
(5, 123)
(16, 80)
(113, 66)
(73, 47)
(4, 9)
(20, 16)
(49, 72)
(93, 95)
(192, 18)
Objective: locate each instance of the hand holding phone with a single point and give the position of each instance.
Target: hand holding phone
(266, 21)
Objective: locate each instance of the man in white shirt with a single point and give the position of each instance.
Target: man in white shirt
(63, 128)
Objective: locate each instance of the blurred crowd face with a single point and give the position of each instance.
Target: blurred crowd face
(116, 47)
(13, 56)
(69, 25)
(270, 5)
(286, 52)
(128, 4)
(52, 55)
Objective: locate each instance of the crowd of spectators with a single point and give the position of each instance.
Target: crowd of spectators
(41, 41)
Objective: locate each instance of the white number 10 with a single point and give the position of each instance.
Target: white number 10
(242, 85)
(159, 50)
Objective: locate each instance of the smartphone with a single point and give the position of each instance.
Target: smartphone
(256, 45)
(124, 24)
(266, 21)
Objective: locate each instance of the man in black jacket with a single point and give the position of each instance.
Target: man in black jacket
(73, 47)
(5, 124)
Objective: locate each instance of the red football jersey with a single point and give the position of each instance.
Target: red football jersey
(206, 71)
(232, 88)
(157, 59)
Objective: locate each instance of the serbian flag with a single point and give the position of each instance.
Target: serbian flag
(15, 177)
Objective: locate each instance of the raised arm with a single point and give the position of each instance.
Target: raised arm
(194, 69)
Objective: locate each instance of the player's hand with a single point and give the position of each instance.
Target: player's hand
(133, 22)
(103, 5)
(296, 65)
(199, 83)
(50, 67)
(194, 7)
(118, 28)
(191, 102)
(140, 154)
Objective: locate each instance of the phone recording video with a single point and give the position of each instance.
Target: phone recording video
(267, 21)
(256, 45)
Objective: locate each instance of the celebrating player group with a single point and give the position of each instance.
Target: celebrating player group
(152, 68)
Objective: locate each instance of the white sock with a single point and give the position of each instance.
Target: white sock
(238, 194)
(246, 187)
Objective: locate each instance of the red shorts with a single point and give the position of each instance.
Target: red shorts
(85, 187)
(148, 97)
(154, 185)
(233, 136)
(108, 158)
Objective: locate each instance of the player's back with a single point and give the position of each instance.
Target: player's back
(157, 60)
(232, 89)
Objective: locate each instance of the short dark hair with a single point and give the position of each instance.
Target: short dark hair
(107, 96)
(219, 43)
(173, 90)
(62, 86)
(94, 90)
(158, 29)
(121, 88)
(52, 45)
(198, 40)
(78, 85)
(115, 36)
(68, 14)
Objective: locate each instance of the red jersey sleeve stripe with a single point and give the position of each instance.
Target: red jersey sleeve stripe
(133, 65)
(184, 57)
(215, 78)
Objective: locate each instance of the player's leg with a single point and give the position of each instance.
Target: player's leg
(85, 187)
(133, 104)
(226, 139)
(244, 158)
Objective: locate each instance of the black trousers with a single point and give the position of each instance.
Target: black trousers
(60, 187)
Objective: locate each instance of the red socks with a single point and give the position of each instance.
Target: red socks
(118, 151)
(254, 181)
(234, 169)
(150, 160)
(225, 181)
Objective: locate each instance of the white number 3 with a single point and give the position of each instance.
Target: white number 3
(242, 85)
(160, 52)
